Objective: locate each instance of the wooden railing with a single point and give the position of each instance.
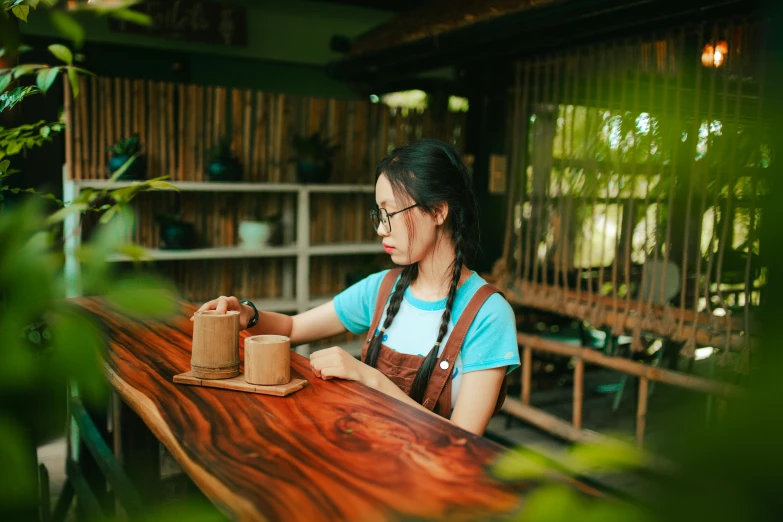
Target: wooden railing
(573, 430)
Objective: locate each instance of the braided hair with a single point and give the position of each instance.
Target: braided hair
(432, 174)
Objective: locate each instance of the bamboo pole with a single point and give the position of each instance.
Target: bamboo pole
(163, 146)
(247, 119)
(527, 372)
(579, 377)
(191, 150)
(259, 147)
(198, 141)
(107, 107)
(143, 109)
(641, 411)
(181, 134)
(127, 99)
(118, 108)
(170, 126)
(152, 137)
(95, 155)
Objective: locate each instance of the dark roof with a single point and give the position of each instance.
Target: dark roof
(437, 17)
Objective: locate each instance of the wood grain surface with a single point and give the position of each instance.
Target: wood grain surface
(335, 450)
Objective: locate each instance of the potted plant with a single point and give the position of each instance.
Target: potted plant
(257, 232)
(313, 158)
(223, 165)
(126, 150)
(176, 234)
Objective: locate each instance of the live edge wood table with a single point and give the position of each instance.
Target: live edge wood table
(335, 450)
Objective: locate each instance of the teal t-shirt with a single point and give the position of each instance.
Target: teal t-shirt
(491, 340)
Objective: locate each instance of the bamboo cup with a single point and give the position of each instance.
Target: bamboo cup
(268, 359)
(215, 352)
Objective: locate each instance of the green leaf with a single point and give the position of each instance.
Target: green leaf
(26, 68)
(611, 456)
(14, 148)
(9, 34)
(556, 503)
(64, 212)
(83, 71)
(17, 482)
(132, 250)
(73, 78)
(521, 464)
(69, 28)
(34, 337)
(21, 12)
(62, 53)
(11, 98)
(144, 296)
(5, 81)
(125, 166)
(132, 16)
(46, 78)
(161, 185)
(45, 131)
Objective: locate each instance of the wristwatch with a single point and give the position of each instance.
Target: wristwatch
(254, 320)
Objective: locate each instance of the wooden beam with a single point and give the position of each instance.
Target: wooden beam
(652, 373)
(550, 423)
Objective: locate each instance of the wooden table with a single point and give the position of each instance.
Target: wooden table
(335, 450)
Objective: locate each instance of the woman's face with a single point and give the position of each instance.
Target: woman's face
(405, 250)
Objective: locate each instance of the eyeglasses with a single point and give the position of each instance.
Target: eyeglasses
(380, 215)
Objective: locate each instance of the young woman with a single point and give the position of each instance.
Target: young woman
(441, 339)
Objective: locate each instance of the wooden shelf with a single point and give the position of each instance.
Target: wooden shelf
(337, 249)
(318, 301)
(298, 250)
(275, 305)
(205, 186)
(211, 253)
(352, 347)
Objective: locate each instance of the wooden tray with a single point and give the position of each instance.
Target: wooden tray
(239, 383)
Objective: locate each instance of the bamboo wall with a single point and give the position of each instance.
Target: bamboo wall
(633, 157)
(179, 123)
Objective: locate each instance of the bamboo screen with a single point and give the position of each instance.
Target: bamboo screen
(179, 123)
(638, 169)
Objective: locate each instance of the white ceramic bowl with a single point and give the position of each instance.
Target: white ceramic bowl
(254, 234)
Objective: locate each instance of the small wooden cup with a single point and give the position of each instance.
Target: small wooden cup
(215, 353)
(268, 360)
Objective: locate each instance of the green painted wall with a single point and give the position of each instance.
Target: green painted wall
(288, 44)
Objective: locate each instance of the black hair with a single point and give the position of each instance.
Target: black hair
(432, 174)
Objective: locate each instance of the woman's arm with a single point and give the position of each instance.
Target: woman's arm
(336, 363)
(309, 326)
(475, 404)
(478, 395)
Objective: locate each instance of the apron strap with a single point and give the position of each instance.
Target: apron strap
(444, 367)
(385, 290)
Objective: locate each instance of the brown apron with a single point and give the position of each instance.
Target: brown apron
(401, 368)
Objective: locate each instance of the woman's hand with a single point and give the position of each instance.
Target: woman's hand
(223, 304)
(337, 363)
